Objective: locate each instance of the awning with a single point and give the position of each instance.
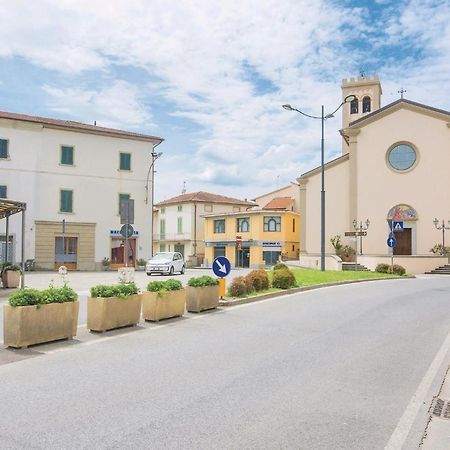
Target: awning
(10, 207)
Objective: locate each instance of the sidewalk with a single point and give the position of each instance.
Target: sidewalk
(437, 433)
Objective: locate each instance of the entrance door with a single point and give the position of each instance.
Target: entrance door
(66, 250)
(118, 252)
(243, 257)
(403, 246)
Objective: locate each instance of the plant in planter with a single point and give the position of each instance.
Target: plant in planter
(163, 299)
(202, 293)
(346, 253)
(10, 275)
(32, 316)
(439, 249)
(113, 306)
(141, 264)
(106, 263)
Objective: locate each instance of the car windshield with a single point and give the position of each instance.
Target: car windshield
(163, 256)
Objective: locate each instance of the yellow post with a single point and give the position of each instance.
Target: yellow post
(222, 287)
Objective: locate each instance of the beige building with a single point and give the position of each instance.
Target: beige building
(72, 177)
(179, 222)
(394, 166)
(286, 198)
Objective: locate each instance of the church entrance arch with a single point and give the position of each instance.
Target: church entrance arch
(406, 239)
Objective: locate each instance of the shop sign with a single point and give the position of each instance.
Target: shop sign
(117, 233)
(272, 243)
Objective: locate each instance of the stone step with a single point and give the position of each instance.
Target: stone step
(443, 270)
(356, 267)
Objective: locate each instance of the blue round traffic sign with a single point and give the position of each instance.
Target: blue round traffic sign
(391, 241)
(221, 266)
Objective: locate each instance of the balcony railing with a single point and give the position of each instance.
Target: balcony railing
(172, 237)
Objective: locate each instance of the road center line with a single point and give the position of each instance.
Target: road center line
(405, 423)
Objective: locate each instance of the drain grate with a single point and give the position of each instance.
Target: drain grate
(441, 408)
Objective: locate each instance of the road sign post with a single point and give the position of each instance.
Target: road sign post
(221, 267)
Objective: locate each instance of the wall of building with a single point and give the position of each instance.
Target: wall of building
(288, 191)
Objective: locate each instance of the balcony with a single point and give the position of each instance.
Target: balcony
(172, 237)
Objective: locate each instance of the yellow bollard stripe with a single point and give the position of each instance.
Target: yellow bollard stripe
(222, 287)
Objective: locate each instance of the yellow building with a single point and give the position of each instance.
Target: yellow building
(254, 238)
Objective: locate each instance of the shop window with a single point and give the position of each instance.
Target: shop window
(243, 225)
(272, 223)
(219, 226)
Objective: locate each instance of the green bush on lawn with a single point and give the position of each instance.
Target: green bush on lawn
(283, 279)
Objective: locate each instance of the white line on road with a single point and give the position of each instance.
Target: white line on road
(405, 423)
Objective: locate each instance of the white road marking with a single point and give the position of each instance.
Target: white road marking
(405, 423)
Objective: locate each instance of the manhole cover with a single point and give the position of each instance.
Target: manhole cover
(441, 408)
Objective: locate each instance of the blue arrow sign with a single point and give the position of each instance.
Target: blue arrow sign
(391, 241)
(221, 266)
(397, 225)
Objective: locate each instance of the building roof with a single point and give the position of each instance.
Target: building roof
(78, 127)
(398, 103)
(327, 165)
(247, 213)
(280, 203)
(204, 197)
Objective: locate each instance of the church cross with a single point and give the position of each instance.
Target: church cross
(401, 92)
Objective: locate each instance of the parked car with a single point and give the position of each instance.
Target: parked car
(165, 263)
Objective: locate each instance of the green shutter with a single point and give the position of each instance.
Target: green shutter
(162, 228)
(180, 225)
(3, 192)
(66, 201)
(3, 148)
(67, 155)
(125, 161)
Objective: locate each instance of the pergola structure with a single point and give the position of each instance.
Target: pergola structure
(8, 208)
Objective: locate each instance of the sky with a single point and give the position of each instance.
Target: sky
(210, 77)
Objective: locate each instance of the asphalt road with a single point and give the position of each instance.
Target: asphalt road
(334, 368)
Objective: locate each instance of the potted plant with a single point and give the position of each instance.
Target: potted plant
(10, 274)
(202, 293)
(163, 299)
(113, 306)
(346, 253)
(106, 263)
(141, 264)
(32, 316)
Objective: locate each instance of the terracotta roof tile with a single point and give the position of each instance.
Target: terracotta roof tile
(77, 126)
(204, 197)
(284, 203)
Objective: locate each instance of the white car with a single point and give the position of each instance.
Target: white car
(165, 263)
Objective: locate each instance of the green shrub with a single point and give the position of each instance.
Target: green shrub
(280, 266)
(25, 297)
(257, 280)
(283, 279)
(238, 287)
(28, 297)
(382, 268)
(168, 285)
(203, 281)
(141, 262)
(397, 269)
(114, 290)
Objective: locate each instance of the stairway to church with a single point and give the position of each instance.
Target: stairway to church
(354, 267)
(443, 270)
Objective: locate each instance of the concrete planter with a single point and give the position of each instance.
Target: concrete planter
(202, 298)
(28, 325)
(10, 278)
(113, 312)
(163, 306)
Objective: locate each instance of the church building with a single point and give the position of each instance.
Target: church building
(395, 166)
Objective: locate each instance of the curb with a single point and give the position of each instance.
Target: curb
(256, 298)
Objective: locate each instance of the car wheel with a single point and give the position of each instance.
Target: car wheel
(171, 270)
(149, 274)
(182, 270)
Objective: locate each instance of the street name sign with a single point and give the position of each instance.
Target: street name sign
(221, 266)
(391, 241)
(355, 233)
(397, 225)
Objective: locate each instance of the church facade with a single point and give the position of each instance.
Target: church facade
(395, 166)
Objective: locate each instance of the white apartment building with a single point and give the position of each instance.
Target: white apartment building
(179, 222)
(72, 177)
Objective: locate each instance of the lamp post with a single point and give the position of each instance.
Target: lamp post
(442, 227)
(322, 117)
(151, 170)
(362, 227)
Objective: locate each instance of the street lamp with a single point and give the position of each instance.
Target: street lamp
(151, 169)
(322, 117)
(362, 227)
(442, 227)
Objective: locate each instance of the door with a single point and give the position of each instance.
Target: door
(66, 249)
(118, 252)
(219, 251)
(403, 246)
(243, 257)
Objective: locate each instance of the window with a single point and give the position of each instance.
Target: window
(208, 208)
(236, 208)
(162, 247)
(162, 228)
(163, 210)
(123, 197)
(66, 155)
(180, 225)
(293, 225)
(272, 223)
(402, 157)
(219, 226)
(66, 201)
(4, 149)
(125, 161)
(366, 104)
(3, 192)
(243, 225)
(180, 208)
(354, 106)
